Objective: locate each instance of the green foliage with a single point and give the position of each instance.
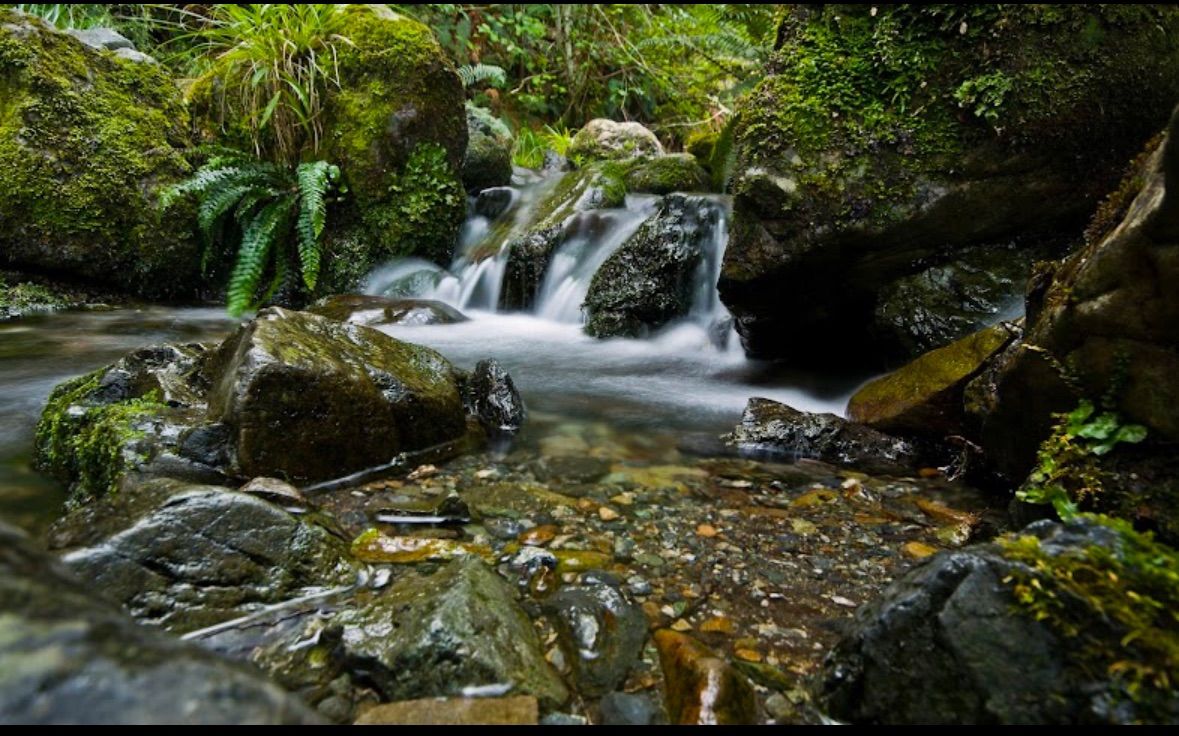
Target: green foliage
(272, 206)
(472, 74)
(272, 66)
(1127, 593)
(1066, 473)
(985, 95)
(529, 148)
(70, 15)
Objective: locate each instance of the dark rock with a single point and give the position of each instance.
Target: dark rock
(925, 397)
(833, 209)
(494, 201)
(772, 430)
(528, 261)
(701, 688)
(650, 280)
(373, 311)
(206, 554)
(625, 709)
(601, 632)
(949, 643)
(274, 490)
(488, 161)
(605, 139)
(67, 658)
(491, 396)
(434, 635)
(310, 398)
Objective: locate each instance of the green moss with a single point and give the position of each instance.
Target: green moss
(1116, 607)
(85, 140)
(26, 298)
(667, 174)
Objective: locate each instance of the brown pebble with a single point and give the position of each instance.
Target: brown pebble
(749, 655)
(706, 530)
(538, 535)
(607, 514)
(718, 624)
(918, 550)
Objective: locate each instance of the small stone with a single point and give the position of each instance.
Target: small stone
(486, 473)
(607, 514)
(779, 707)
(576, 560)
(521, 710)
(918, 550)
(625, 709)
(841, 601)
(803, 527)
(954, 535)
(706, 530)
(648, 559)
(929, 473)
(681, 625)
(623, 499)
(538, 536)
(749, 655)
(273, 489)
(718, 625)
(702, 688)
(423, 471)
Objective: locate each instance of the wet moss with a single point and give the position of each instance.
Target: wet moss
(667, 174)
(1116, 606)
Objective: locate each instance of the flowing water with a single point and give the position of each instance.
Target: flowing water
(689, 377)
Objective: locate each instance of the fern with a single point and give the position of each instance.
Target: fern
(273, 208)
(472, 74)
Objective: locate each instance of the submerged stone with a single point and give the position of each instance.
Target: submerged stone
(602, 633)
(491, 396)
(521, 710)
(700, 688)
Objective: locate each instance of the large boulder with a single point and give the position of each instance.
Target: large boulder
(67, 657)
(666, 174)
(771, 430)
(373, 311)
(309, 398)
(87, 142)
(1061, 624)
(488, 161)
(887, 139)
(650, 280)
(603, 139)
(1105, 323)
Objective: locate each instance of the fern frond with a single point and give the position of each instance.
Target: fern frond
(216, 204)
(475, 73)
(258, 239)
(314, 180)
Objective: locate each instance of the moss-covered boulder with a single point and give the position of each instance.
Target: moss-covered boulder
(371, 311)
(666, 174)
(650, 280)
(1105, 322)
(925, 397)
(887, 138)
(397, 129)
(87, 142)
(488, 161)
(1059, 624)
(603, 139)
(309, 398)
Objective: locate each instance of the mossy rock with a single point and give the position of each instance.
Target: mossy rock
(87, 142)
(666, 174)
(885, 139)
(605, 140)
(488, 161)
(27, 298)
(925, 397)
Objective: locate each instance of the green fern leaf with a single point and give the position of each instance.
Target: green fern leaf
(314, 180)
(475, 73)
(258, 239)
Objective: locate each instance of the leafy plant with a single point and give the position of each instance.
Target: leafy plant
(985, 95)
(1066, 472)
(69, 15)
(530, 146)
(272, 207)
(271, 66)
(472, 74)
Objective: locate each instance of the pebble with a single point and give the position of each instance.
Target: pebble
(607, 514)
(681, 625)
(706, 530)
(918, 550)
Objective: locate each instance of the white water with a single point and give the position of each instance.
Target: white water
(691, 373)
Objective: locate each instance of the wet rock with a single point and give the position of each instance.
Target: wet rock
(651, 279)
(666, 174)
(518, 711)
(372, 311)
(572, 468)
(625, 709)
(528, 261)
(490, 395)
(925, 397)
(103, 39)
(373, 546)
(950, 643)
(602, 634)
(943, 303)
(68, 658)
(772, 430)
(488, 161)
(275, 491)
(493, 202)
(1109, 315)
(829, 215)
(434, 635)
(700, 687)
(206, 554)
(309, 398)
(605, 139)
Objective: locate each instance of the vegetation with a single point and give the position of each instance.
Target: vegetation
(270, 206)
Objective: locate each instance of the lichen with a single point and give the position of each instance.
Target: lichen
(1117, 607)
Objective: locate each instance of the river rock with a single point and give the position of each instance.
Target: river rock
(601, 632)
(627, 709)
(433, 635)
(206, 554)
(103, 39)
(488, 161)
(494, 201)
(88, 142)
(925, 397)
(605, 139)
(70, 658)
(343, 397)
(490, 395)
(701, 688)
(677, 172)
(373, 311)
(772, 430)
(651, 279)
(832, 208)
(950, 643)
(1108, 313)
